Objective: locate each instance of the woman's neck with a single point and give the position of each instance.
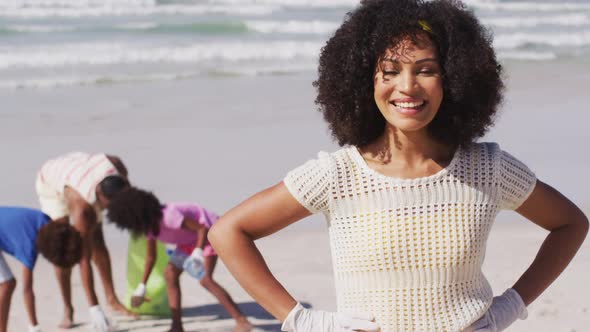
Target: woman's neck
(407, 154)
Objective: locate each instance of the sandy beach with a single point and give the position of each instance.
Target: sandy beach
(219, 140)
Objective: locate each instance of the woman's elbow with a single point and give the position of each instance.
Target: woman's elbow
(584, 225)
(578, 227)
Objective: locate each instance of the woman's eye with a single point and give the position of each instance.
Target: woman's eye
(390, 72)
(427, 72)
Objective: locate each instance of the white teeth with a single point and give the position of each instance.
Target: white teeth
(409, 105)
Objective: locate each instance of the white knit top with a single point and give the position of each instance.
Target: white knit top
(410, 251)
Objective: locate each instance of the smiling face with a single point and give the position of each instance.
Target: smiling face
(408, 85)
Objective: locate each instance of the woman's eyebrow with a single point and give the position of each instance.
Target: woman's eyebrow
(426, 60)
(395, 60)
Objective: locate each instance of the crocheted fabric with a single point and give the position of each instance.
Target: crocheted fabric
(410, 251)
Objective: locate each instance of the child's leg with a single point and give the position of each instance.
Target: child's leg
(64, 277)
(6, 290)
(102, 260)
(7, 286)
(172, 277)
(222, 296)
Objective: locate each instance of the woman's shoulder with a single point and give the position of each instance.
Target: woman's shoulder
(491, 154)
(342, 155)
(479, 147)
(482, 151)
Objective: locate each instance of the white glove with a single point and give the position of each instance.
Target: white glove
(504, 311)
(99, 320)
(36, 328)
(140, 290)
(301, 319)
(197, 254)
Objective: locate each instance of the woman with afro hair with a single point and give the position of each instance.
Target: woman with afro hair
(406, 87)
(182, 224)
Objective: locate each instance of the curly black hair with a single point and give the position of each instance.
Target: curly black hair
(60, 243)
(112, 185)
(472, 83)
(136, 210)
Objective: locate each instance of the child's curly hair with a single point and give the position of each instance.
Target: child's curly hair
(60, 243)
(472, 84)
(136, 210)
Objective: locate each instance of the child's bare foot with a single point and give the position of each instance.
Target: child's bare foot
(243, 325)
(120, 309)
(68, 320)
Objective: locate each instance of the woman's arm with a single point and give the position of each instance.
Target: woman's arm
(233, 239)
(567, 226)
(29, 295)
(84, 220)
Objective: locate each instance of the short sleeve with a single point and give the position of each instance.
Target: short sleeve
(517, 181)
(310, 184)
(172, 217)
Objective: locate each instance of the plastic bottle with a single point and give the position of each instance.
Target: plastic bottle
(194, 268)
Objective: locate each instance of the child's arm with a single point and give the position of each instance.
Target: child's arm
(150, 260)
(196, 227)
(567, 226)
(138, 296)
(233, 239)
(29, 295)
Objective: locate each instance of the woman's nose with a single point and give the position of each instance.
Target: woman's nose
(407, 82)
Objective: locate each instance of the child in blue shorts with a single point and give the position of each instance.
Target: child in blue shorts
(25, 232)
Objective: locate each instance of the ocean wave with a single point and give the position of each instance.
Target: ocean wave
(534, 21)
(206, 28)
(528, 6)
(136, 26)
(111, 53)
(108, 79)
(555, 39)
(292, 26)
(55, 82)
(75, 3)
(34, 28)
(296, 3)
(100, 11)
(524, 55)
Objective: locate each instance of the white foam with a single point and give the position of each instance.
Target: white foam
(39, 28)
(270, 69)
(62, 81)
(76, 3)
(293, 26)
(529, 6)
(137, 26)
(111, 53)
(556, 39)
(100, 11)
(297, 3)
(524, 55)
(533, 21)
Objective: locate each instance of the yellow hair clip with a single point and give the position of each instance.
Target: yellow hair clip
(425, 26)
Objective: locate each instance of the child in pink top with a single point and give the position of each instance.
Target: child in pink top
(184, 225)
(173, 232)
